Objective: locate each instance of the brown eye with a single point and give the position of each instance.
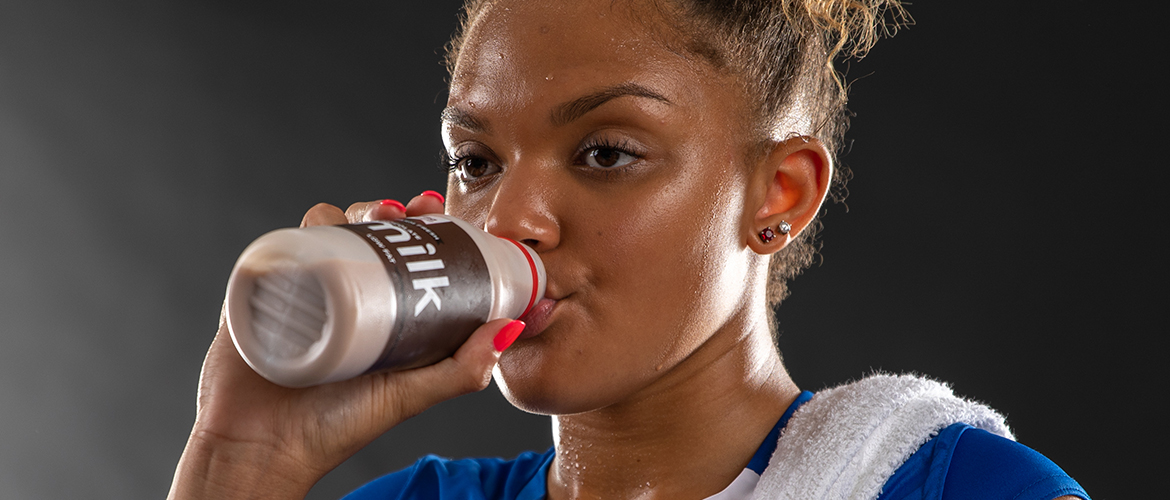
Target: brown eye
(608, 158)
(471, 168)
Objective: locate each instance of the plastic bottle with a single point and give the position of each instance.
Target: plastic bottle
(320, 304)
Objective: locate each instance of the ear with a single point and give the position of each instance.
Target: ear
(789, 185)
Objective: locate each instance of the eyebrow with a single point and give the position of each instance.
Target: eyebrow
(461, 118)
(572, 110)
(563, 114)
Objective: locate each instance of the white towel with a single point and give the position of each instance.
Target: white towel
(845, 442)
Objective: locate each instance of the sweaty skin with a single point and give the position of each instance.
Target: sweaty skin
(634, 168)
(635, 172)
(627, 166)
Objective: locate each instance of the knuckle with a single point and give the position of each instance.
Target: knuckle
(321, 213)
(356, 212)
(474, 380)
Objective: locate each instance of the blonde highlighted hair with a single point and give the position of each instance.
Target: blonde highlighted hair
(784, 52)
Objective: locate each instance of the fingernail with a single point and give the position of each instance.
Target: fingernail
(435, 194)
(507, 335)
(394, 203)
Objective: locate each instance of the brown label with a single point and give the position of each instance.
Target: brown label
(442, 283)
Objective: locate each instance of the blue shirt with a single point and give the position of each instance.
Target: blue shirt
(961, 462)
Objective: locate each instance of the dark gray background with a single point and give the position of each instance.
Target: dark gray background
(1001, 234)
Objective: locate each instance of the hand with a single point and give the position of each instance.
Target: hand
(324, 214)
(253, 438)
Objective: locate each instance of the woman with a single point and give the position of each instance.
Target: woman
(668, 161)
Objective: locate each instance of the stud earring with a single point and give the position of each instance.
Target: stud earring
(767, 235)
(784, 227)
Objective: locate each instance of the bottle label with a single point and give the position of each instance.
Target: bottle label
(442, 284)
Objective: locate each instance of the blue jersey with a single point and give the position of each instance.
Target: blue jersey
(961, 462)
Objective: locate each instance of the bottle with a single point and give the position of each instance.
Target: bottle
(320, 304)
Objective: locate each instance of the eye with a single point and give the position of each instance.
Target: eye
(472, 168)
(606, 157)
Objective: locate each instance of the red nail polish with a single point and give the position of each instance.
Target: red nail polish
(394, 203)
(507, 335)
(435, 194)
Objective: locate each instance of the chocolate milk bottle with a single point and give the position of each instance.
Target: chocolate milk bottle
(320, 304)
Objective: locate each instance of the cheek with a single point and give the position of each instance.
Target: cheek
(668, 261)
(464, 205)
(655, 263)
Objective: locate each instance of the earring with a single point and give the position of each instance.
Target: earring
(767, 235)
(784, 227)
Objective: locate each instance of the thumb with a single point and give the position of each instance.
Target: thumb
(468, 370)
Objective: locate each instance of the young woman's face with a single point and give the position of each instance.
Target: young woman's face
(573, 129)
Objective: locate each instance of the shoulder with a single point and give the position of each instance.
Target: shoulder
(433, 477)
(985, 462)
(965, 462)
(902, 437)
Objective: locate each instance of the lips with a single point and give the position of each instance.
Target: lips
(537, 318)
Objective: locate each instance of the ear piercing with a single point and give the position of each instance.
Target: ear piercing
(767, 234)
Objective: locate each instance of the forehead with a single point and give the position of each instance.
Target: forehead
(517, 51)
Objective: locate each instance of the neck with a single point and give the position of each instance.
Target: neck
(688, 435)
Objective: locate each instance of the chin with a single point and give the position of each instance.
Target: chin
(545, 392)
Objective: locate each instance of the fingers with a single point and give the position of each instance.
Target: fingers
(429, 202)
(227, 377)
(367, 211)
(468, 370)
(323, 214)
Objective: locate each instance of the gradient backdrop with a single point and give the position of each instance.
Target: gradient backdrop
(1001, 233)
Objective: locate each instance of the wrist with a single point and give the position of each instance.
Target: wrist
(214, 467)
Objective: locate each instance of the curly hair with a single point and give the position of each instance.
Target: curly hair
(784, 53)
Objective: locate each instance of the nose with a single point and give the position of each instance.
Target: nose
(521, 210)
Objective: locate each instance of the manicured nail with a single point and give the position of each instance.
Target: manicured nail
(394, 203)
(507, 335)
(435, 194)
